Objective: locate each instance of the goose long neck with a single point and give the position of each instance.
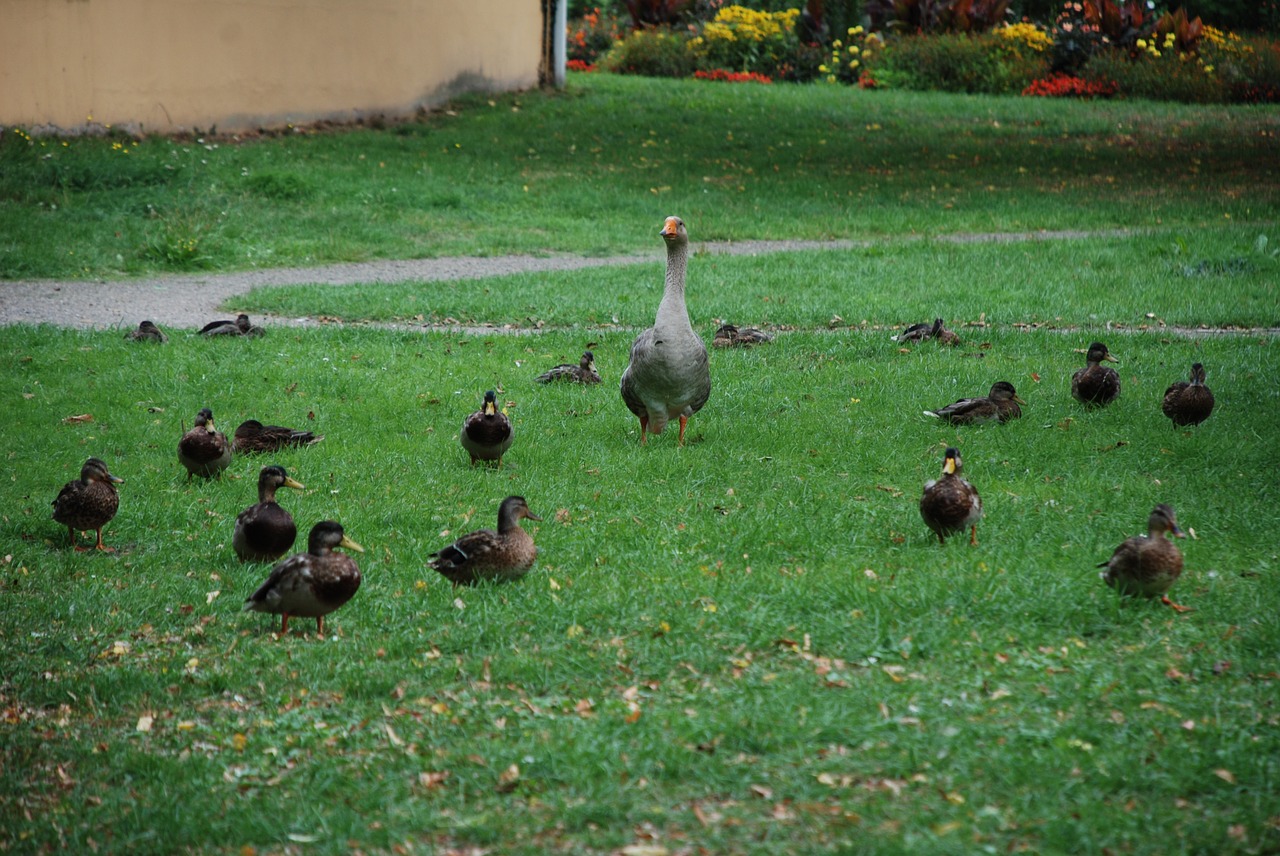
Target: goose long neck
(672, 309)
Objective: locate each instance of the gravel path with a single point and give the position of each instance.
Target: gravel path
(191, 300)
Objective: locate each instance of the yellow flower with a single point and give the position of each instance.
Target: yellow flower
(831, 78)
(1142, 44)
(853, 63)
(823, 69)
(1208, 69)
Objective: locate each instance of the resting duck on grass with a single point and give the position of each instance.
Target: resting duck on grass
(239, 327)
(487, 433)
(668, 376)
(950, 504)
(1148, 565)
(265, 531)
(147, 332)
(731, 336)
(1000, 405)
(204, 450)
(1188, 403)
(311, 584)
(1096, 385)
(88, 503)
(505, 555)
(252, 436)
(583, 372)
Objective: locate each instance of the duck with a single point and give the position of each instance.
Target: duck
(264, 532)
(1000, 405)
(89, 502)
(920, 332)
(950, 504)
(730, 335)
(945, 336)
(502, 556)
(252, 436)
(487, 433)
(1096, 385)
(147, 332)
(668, 375)
(583, 372)
(311, 584)
(204, 450)
(239, 327)
(1188, 403)
(1148, 565)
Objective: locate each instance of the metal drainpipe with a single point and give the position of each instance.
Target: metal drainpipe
(558, 41)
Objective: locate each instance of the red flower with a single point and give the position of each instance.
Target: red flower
(1065, 86)
(733, 76)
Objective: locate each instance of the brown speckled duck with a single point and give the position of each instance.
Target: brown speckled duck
(147, 332)
(88, 503)
(732, 336)
(505, 555)
(252, 436)
(1188, 403)
(204, 450)
(265, 531)
(1000, 405)
(951, 504)
(668, 376)
(583, 372)
(1096, 385)
(1148, 565)
(487, 433)
(311, 584)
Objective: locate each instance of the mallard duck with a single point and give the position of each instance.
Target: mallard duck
(252, 436)
(264, 532)
(1000, 405)
(147, 332)
(945, 336)
(583, 372)
(311, 584)
(239, 327)
(1096, 385)
(487, 433)
(487, 555)
(88, 503)
(920, 332)
(668, 375)
(1148, 565)
(731, 336)
(204, 450)
(951, 504)
(1188, 403)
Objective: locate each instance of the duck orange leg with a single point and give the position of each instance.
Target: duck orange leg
(1177, 606)
(684, 420)
(644, 427)
(284, 624)
(973, 536)
(72, 532)
(103, 547)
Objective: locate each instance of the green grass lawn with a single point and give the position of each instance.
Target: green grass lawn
(575, 171)
(751, 644)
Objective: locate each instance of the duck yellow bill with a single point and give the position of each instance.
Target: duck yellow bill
(949, 466)
(350, 545)
(296, 485)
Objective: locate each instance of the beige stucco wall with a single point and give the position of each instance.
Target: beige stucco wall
(165, 65)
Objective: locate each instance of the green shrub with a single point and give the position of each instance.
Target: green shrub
(654, 52)
(1170, 77)
(1249, 67)
(958, 63)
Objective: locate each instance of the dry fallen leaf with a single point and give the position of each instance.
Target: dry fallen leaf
(83, 417)
(508, 779)
(433, 778)
(144, 722)
(1226, 776)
